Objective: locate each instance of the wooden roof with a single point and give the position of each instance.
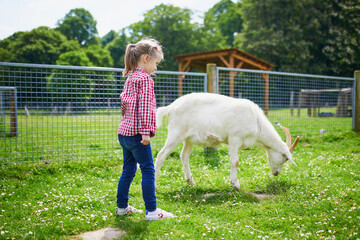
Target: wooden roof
(230, 57)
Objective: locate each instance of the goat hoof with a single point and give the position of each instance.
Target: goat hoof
(191, 182)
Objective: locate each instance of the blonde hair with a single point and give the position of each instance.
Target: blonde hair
(133, 53)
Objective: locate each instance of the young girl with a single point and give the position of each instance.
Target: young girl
(138, 125)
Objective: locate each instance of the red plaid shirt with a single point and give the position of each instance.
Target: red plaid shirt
(138, 105)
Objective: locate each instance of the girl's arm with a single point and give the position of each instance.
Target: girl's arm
(145, 106)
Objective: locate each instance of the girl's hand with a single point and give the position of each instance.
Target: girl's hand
(145, 139)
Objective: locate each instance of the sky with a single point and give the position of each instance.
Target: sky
(25, 15)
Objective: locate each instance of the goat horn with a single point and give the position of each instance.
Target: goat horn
(291, 149)
(288, 136)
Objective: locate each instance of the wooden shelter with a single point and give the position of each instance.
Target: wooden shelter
(231, 58)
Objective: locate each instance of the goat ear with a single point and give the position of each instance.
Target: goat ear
(289, 157)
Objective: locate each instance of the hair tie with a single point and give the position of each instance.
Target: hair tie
(133, 45)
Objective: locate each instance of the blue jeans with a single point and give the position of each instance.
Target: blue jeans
(135, 152)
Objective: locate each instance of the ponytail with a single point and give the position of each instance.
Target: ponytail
(133, 53)
(130, 59)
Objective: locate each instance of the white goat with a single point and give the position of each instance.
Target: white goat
(211, 119)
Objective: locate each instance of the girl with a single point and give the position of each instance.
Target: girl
(138, 125)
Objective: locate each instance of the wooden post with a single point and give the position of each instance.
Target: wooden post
(356, 111)
(181, 77)
(211, 77)
(231, 83)
(266, 103)
(211, 88)
(292, 103)
(300, 100)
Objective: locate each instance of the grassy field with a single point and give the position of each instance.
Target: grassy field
(318, 199)
(46, 137)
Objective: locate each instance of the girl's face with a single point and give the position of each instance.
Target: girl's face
(150, 63)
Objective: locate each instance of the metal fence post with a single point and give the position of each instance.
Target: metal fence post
(13, 113)
(356, 110)
(211, 77)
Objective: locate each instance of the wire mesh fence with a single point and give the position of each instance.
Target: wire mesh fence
(306, 104)
(51, 113)
(8, 112)
(66, 112)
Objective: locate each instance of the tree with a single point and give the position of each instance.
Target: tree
(74, 58)
(224, 16)
(41, 45)
(317, 37)
(273, 30)
(173, 28)
(70, 87)
(78, 87)
(342, 47)
(79, 25)
(109, 37)
(169, 25)
(94, 55)
(99, 56)
(117, 49)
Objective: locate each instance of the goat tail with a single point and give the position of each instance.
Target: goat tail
(160, 113)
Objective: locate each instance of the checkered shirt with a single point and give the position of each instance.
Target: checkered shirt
(138, 105)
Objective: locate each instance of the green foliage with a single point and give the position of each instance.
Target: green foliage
(67, 86)
(343, 42)
(273, 31)
(224, 16)
(309, 36)
(99, 56)
(94, 55)
(117, 49)
(303, 36)
(173, 28)
(74, 58)
(41, 45)
(5, 55)
(79, 25)
(109, 37)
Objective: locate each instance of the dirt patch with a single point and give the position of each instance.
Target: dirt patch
(262, 196)
(259, 196)
(207, 195)
(103, 234)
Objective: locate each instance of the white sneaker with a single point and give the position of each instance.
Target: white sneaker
(158, 214)
(129, 209)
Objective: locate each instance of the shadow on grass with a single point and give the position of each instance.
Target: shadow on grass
(201, 195)
(212, 157)
(211, 195)
(135, 226)
(275, 187)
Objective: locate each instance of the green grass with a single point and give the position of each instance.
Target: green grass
(68, 185)
(44, 137)
(318, 199)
